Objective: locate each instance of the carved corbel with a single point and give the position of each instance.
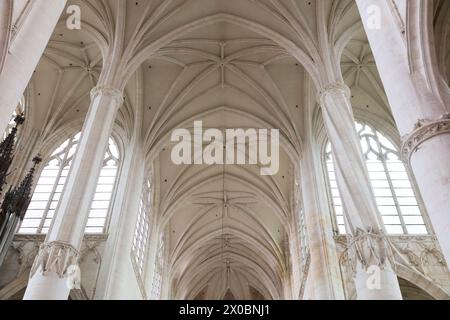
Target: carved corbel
(55, 257)
(333, 88)
(369, 248)
(113, 93)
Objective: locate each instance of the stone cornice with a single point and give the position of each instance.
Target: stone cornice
(342, 238)
(41, 237)
(423, 131)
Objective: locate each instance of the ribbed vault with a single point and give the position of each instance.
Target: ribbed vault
(227, 224)
(231, 64)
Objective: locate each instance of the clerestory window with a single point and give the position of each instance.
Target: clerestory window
(391, 183)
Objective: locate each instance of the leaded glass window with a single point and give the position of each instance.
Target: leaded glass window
(391, 184)
(158, 271)
(51, 182)
(104, 191)
(142, 231)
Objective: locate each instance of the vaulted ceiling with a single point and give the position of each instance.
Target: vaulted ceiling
(227, 224)
(231, 64)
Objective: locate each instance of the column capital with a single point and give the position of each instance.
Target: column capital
(114, 93)
(55, 257)
(424, 130)
(369, 249)
(333, 88)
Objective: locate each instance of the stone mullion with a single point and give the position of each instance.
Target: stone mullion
(391, 185)
(420, 202)
(55, 186)
(113, 194)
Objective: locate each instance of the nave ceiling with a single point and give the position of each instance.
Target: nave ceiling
(231, 64)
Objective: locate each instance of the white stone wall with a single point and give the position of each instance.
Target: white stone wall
(418, 260)
(15, 270)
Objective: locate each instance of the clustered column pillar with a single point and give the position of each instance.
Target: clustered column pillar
(24, 48)
(369, 248)
(60, 251)
(325, 279)
(420, 103)
(324, 265)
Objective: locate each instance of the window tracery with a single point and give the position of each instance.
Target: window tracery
(142, 231)
(391, 184)
(50, 186)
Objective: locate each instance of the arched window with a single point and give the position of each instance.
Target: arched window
(158, 271)
(390, 181)
(139, 247)
(105, 186)
(50, 185)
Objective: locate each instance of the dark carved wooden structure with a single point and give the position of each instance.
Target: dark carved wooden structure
(7, 151)
(13, 209)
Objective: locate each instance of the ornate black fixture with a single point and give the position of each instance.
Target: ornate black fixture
(13, 209)
(7, 149)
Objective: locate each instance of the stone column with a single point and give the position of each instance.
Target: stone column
(324, 274)
(22, 48)
(420, 102)
(324, 266)
(117, 278)
(369, 249)
(6, 20)
(60, 250)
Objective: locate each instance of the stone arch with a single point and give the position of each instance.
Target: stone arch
(422, 282)
(294, 50)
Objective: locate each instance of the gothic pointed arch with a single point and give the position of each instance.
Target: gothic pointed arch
(50, 185)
